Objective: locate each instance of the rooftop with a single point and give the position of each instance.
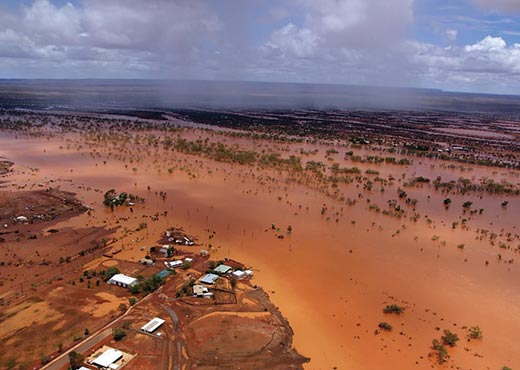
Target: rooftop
(222, 269)
(209, 278)
(152, 325)
(108, 357)
(123, 279)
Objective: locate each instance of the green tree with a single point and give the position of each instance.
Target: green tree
(119, 334)
(111, 271)
(75, 359)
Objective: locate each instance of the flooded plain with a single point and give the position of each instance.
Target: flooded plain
(327, 257)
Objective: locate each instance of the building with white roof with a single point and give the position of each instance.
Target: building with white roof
(239, 274)
(107, 359)
(174, 264)
(209, 279)
(122, 280)
(223, 269)
(152, 325)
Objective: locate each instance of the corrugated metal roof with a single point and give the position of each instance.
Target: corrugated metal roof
(108, 357)
(152, 325)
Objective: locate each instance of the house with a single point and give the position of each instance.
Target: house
(223, 269)
(188, 260)
(199, 290)
(146, 261)
(249, 273)
(209, 279)
(22, 219)
(122, 280)
(239, 274)
(203, 252)
(107, 359)
(152, 325)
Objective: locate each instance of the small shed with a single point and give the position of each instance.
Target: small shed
(239, 274)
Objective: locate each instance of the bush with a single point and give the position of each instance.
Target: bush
(393, 308)
(385, 326)
(442, 353)
(449, 338)
(119, 334)
(474, 333)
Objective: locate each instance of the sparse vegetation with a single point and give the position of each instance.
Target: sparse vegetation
(393, 308)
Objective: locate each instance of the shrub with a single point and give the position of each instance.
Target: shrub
(119, 334)
(449, 338)
(474, 333)
(441, 352)
(385, 326)
(393, 308)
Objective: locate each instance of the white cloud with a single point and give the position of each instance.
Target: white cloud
(487, 63)
(171, 30)
(489, 43)
(301, 43)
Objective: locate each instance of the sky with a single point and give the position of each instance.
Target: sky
(456, 45)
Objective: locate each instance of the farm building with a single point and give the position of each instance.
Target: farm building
(239, 274)
(106, 359)
(152, 325)
(223, 269)
(209, 279)
(122, 280)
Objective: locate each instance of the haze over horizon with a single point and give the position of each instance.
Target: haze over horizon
(460, 45)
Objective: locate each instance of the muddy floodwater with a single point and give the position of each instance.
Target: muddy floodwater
(329, 266)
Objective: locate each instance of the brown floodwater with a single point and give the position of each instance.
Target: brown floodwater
(330, 278)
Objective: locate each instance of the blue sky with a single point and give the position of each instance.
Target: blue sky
(462, 45)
